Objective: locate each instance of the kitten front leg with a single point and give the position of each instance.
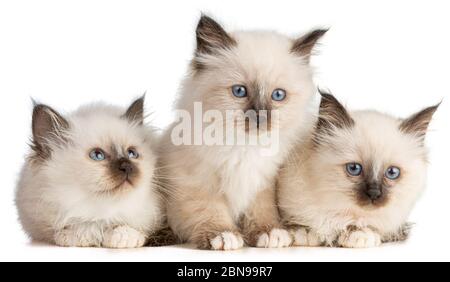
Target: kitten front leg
(305, 237)
(79, 235)
(218, 233)
(222, 241)
(261, 223)
(401, 235)
(359, 238)
(204, 220)
(123, 237)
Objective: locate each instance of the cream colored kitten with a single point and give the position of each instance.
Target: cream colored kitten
(88, 179)
(355, 182)
(222, 195)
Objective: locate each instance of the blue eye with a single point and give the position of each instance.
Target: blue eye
(97, 155)
(239, 91)
(392, 173)
(354, 169)
(278, 95)
(133, 154)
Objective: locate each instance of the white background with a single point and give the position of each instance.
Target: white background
(389, 55)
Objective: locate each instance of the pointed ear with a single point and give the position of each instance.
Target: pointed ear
(211, 36)
(48, 126)
(332, 114)
(304, 45)
(135, 113)
(418, 123)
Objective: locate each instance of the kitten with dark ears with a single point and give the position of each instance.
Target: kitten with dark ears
(354, 183)
(220, 196)
(88, 179)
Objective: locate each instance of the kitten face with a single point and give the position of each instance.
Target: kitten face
(370, 160)
(98, 149)
(258, 71)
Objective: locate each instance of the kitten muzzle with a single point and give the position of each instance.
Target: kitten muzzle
(374, 194)
(260, 119)
(373, 190)
(123, 170)
(125, 166)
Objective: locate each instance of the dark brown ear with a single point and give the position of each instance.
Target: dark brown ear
(304, 45)
(211, 36)
(418, 123)
(332, 114)
(48, 127)
(135, 113)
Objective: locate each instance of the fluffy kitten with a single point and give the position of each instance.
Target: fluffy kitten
(356, 181)
(88, 179)
(219, 196)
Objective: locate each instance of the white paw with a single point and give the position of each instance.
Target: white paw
(227, 241)
(70, 238)
(123, 237)
(65, 238)
(364, 238)
(277, 238)
(305, 238)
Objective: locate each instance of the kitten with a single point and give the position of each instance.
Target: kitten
(356, 181)
(222, 195)
(88, 179)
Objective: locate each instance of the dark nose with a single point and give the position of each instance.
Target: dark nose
(125, 166)
(373, 193)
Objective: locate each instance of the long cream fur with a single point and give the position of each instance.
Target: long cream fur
(221, 196)
(64, 199)
(317, 197)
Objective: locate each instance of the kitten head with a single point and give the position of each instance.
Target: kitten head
(368, 160)
(257, 71)
(99, 148)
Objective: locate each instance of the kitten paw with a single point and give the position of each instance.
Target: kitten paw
(70, 238)
(276, 238)
(364, 238)
(227, 241)
(306, 238)
(123, 237)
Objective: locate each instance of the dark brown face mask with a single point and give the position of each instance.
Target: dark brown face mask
(122, 170)
(372, 193)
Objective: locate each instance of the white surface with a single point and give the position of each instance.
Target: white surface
(388, 55)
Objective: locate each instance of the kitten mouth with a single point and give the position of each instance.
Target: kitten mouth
(372, 203)
(125, 184)
(127, 181)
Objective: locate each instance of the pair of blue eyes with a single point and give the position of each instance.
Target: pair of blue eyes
(355, 169)
(240, 91)
(99, 155)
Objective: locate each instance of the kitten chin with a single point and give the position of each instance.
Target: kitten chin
(354, 183)
(88, 180)
(220, 196)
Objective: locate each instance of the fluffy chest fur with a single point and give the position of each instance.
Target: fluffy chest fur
(63, 204)
(243, 172)
(138, 208)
